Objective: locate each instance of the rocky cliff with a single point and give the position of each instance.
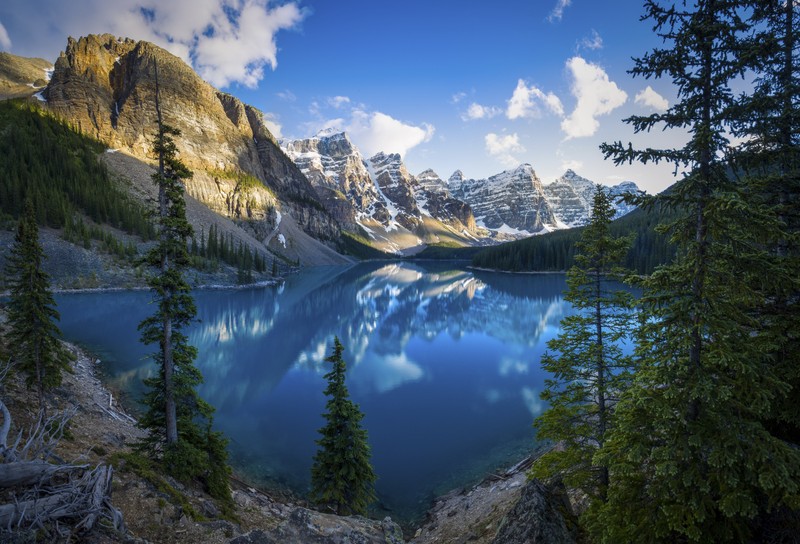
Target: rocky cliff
(378, 196)
(511, 202)
(571, 198)
(105, 86)
(335, 167)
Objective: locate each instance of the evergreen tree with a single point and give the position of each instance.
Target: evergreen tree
(768, 120)
(689, 457)
(33, 336)
(174, 408)
(342, 477)
(590, 371)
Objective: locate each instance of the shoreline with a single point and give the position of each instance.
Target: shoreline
(494, 493)
(523, 272)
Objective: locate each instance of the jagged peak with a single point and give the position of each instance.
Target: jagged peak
(428, 174)
(331, 133)
(380, 156)
(456, 176)
(524, 169)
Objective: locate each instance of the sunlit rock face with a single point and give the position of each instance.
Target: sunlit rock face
(335, 167)
(105, 86)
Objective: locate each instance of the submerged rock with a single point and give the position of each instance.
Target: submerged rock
(542, 515)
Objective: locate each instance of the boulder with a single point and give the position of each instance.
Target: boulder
(542, 515)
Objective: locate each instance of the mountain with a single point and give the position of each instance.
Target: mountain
(511, 202)
(398, 211)
(22, 76)
(294, 197)
(571, 198)
(377, 197)
(105, 86)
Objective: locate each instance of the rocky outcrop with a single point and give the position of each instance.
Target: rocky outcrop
(335, 167)
(434, 198)
(397, 186)
(310, 527)
(105, 86)
(571, 198)
(22, 76)
(542, 515)
(512, 201)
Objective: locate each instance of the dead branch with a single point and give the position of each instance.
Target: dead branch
(47, 493)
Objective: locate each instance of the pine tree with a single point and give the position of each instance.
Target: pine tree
(33, 336)
(174, 409)
(590, 371)
(689, 457)
(769, 162)
(342, 477)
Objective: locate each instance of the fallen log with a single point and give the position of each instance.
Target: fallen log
(83, 499)
(27, 473)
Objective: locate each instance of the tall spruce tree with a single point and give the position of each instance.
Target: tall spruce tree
(342, 477)
(33, 338)
(689, 457)
(177, 420)
(590, 370)
(768, 121)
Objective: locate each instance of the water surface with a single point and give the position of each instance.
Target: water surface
(443, 361)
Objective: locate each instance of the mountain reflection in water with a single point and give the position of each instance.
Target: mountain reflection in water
(444, 363)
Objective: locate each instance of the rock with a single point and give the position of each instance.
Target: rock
(242, 499)
(210, 509)
(230, 529)
(542, 515)
(311, 527)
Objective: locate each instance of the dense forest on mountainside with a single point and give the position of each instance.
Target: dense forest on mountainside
(555, 251)
(71, 190)
(58, 168)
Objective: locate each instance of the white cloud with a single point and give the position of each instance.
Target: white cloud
(375, 131)
(593, 42)
(558, 10)
(226, 41)
(572, 164)
(502, 147)
(5, 41)
(527, 102)
(286, 96)
(596, 96)
(338, 101)
(476, 111)
(648, 98)
(239, 51)
(458, 97)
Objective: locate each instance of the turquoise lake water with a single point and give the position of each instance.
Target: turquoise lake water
(443, 361)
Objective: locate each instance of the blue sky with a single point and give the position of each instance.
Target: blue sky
(476, 86)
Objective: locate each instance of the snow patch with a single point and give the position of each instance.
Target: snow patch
(48, 73)
(109, 150)
(278, 218)
(505, 229)
(282, 240)
(40, 97)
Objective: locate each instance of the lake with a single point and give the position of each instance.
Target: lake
(443, 361)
